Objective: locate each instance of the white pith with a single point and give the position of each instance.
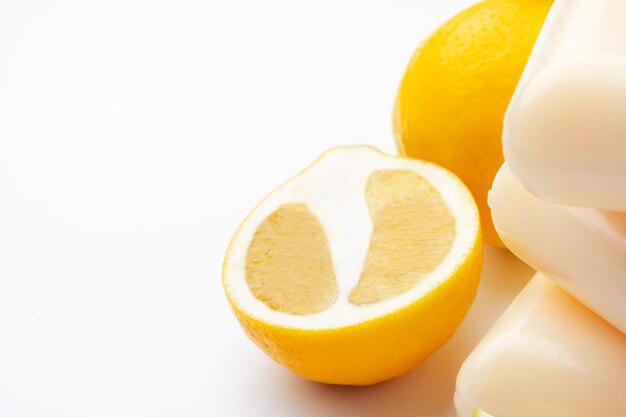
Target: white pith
(334, 189)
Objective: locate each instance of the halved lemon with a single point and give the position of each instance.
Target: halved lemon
(357, 268)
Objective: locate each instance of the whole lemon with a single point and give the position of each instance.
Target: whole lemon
(452, 99)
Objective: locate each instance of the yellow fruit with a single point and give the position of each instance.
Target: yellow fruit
(357, 268)
(451, 102)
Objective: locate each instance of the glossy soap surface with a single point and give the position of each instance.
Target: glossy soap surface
(547, 356)
(564, 132)
(582, 250)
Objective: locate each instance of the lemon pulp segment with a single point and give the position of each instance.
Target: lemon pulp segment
(413, 232)
(288, 264)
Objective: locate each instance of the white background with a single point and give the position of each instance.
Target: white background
(134, 137)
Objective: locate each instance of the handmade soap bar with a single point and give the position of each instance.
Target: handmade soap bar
(564, 131)
(582, 250)
(547, 356)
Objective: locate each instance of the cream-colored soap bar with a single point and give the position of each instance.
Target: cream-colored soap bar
(547, 356)
(582, 250)
(564, 131)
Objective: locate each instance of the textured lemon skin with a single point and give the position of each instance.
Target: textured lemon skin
(451, 102)
(378, 349)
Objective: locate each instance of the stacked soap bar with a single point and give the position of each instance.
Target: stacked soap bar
(559, 203)
(583, 250)
(547, 356)
(564, 131)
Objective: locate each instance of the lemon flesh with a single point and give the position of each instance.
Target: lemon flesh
(407, 213)
(288, 265)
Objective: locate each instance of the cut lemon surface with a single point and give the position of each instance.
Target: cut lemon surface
(357, 268)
